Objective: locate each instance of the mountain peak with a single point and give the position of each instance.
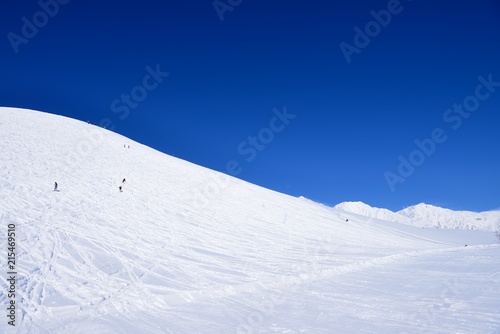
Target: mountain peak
(428, 215)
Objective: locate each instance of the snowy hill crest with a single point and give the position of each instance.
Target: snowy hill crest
(156, 258)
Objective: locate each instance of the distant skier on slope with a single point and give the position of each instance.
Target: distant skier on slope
(123, 181)
(55, 186)
(120, 187)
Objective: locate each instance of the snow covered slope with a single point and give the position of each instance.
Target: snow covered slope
(184, 249)
(425, 215)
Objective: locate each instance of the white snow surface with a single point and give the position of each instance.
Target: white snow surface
(184, 249)
(426, 215)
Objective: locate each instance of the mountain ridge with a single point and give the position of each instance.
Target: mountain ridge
(429, 216)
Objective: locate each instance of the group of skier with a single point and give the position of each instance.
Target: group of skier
(123, 181)
(120, 187)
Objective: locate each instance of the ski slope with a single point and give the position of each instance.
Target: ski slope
(184, 249)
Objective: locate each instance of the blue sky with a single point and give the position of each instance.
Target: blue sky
(234, 65)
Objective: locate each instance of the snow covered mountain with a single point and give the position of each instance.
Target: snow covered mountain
(184, 249)
(432, 216)
(367, 211)
(425, 215)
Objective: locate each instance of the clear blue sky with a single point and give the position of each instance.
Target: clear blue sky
(354, 120)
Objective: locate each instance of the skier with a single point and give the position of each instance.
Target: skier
(123, 181)
(120, 187)
(55, 186)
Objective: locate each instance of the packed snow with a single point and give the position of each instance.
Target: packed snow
(184, 249)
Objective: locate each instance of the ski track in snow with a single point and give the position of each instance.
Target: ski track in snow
(159, 258)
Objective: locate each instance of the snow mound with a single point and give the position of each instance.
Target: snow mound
(184, 249)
